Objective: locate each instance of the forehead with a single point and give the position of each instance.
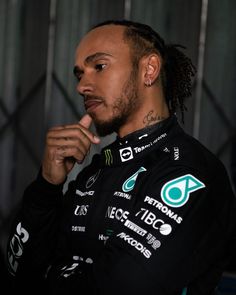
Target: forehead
(108, 39)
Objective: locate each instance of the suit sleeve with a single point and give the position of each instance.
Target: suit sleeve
(33, 235)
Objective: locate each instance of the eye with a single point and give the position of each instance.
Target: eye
(99, 67)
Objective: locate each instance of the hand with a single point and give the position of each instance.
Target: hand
(66, 145)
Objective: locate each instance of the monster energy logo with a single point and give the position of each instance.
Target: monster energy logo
(108, 156)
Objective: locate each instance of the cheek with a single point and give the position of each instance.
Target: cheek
(115, 84)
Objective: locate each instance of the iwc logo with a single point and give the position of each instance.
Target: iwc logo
(176, 192)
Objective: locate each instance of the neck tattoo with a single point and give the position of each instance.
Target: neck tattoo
(151, 118)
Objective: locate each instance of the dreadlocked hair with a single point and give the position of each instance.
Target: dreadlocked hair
(177, 69)
(177, 75)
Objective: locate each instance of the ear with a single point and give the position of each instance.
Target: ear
(151, 69)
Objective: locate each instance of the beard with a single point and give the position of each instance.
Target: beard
(123, 108)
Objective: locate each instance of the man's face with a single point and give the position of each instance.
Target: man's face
(106, 78)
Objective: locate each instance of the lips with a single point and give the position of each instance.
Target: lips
(92, 103)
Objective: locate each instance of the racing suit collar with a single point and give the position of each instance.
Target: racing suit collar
(141, 133)
(137, 144)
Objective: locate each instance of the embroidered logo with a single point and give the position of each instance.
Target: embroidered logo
(176, 192)
(108, 156)
(92, 179)
(129, 184)
(126, 154)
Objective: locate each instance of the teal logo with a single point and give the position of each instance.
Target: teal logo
(129, 184)
(176, 192)
(108, 156)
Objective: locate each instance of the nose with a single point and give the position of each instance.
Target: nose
(85, 85)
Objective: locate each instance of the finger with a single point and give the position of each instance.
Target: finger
(66, 152)
(84, 124)
(82, 144)
(70, 136)
(86, 121)
(76, 130)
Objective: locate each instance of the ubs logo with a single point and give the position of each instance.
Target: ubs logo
(126, 154)
(81, 210)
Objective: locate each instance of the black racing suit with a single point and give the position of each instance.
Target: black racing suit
(154, 213)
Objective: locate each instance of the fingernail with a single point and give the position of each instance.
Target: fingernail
(96, 138)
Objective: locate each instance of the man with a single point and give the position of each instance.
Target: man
(154, 212)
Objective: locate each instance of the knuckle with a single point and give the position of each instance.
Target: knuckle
(80, 133)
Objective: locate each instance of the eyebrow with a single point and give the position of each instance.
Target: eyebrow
(89, 59)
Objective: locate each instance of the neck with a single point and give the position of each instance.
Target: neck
(143, 118)
(152, 108)
(153, 117)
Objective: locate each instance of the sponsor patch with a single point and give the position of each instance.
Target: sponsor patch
(16, 248)
(134, 227)
(164, 209)
(176, 192)
(129, 184)
(92, 179)
(126, 154)
(84, 194)
(134, 243)
(151, 219)
(81, 210)
(109, 157)
(123, 195)
(78, 228)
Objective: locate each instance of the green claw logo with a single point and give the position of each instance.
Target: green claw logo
(109, 157)
(175, 193)
(128, 185)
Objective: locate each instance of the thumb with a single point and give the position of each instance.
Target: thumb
(86, 121)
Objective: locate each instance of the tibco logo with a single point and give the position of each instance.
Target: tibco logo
(151, 219)
(137, 245)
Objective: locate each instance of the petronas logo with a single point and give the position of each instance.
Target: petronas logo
(128, 185)
(176, 192)
(108, 156)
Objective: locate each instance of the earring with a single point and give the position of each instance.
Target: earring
(148, 83)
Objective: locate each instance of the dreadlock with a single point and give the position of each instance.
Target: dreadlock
(177, 69)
